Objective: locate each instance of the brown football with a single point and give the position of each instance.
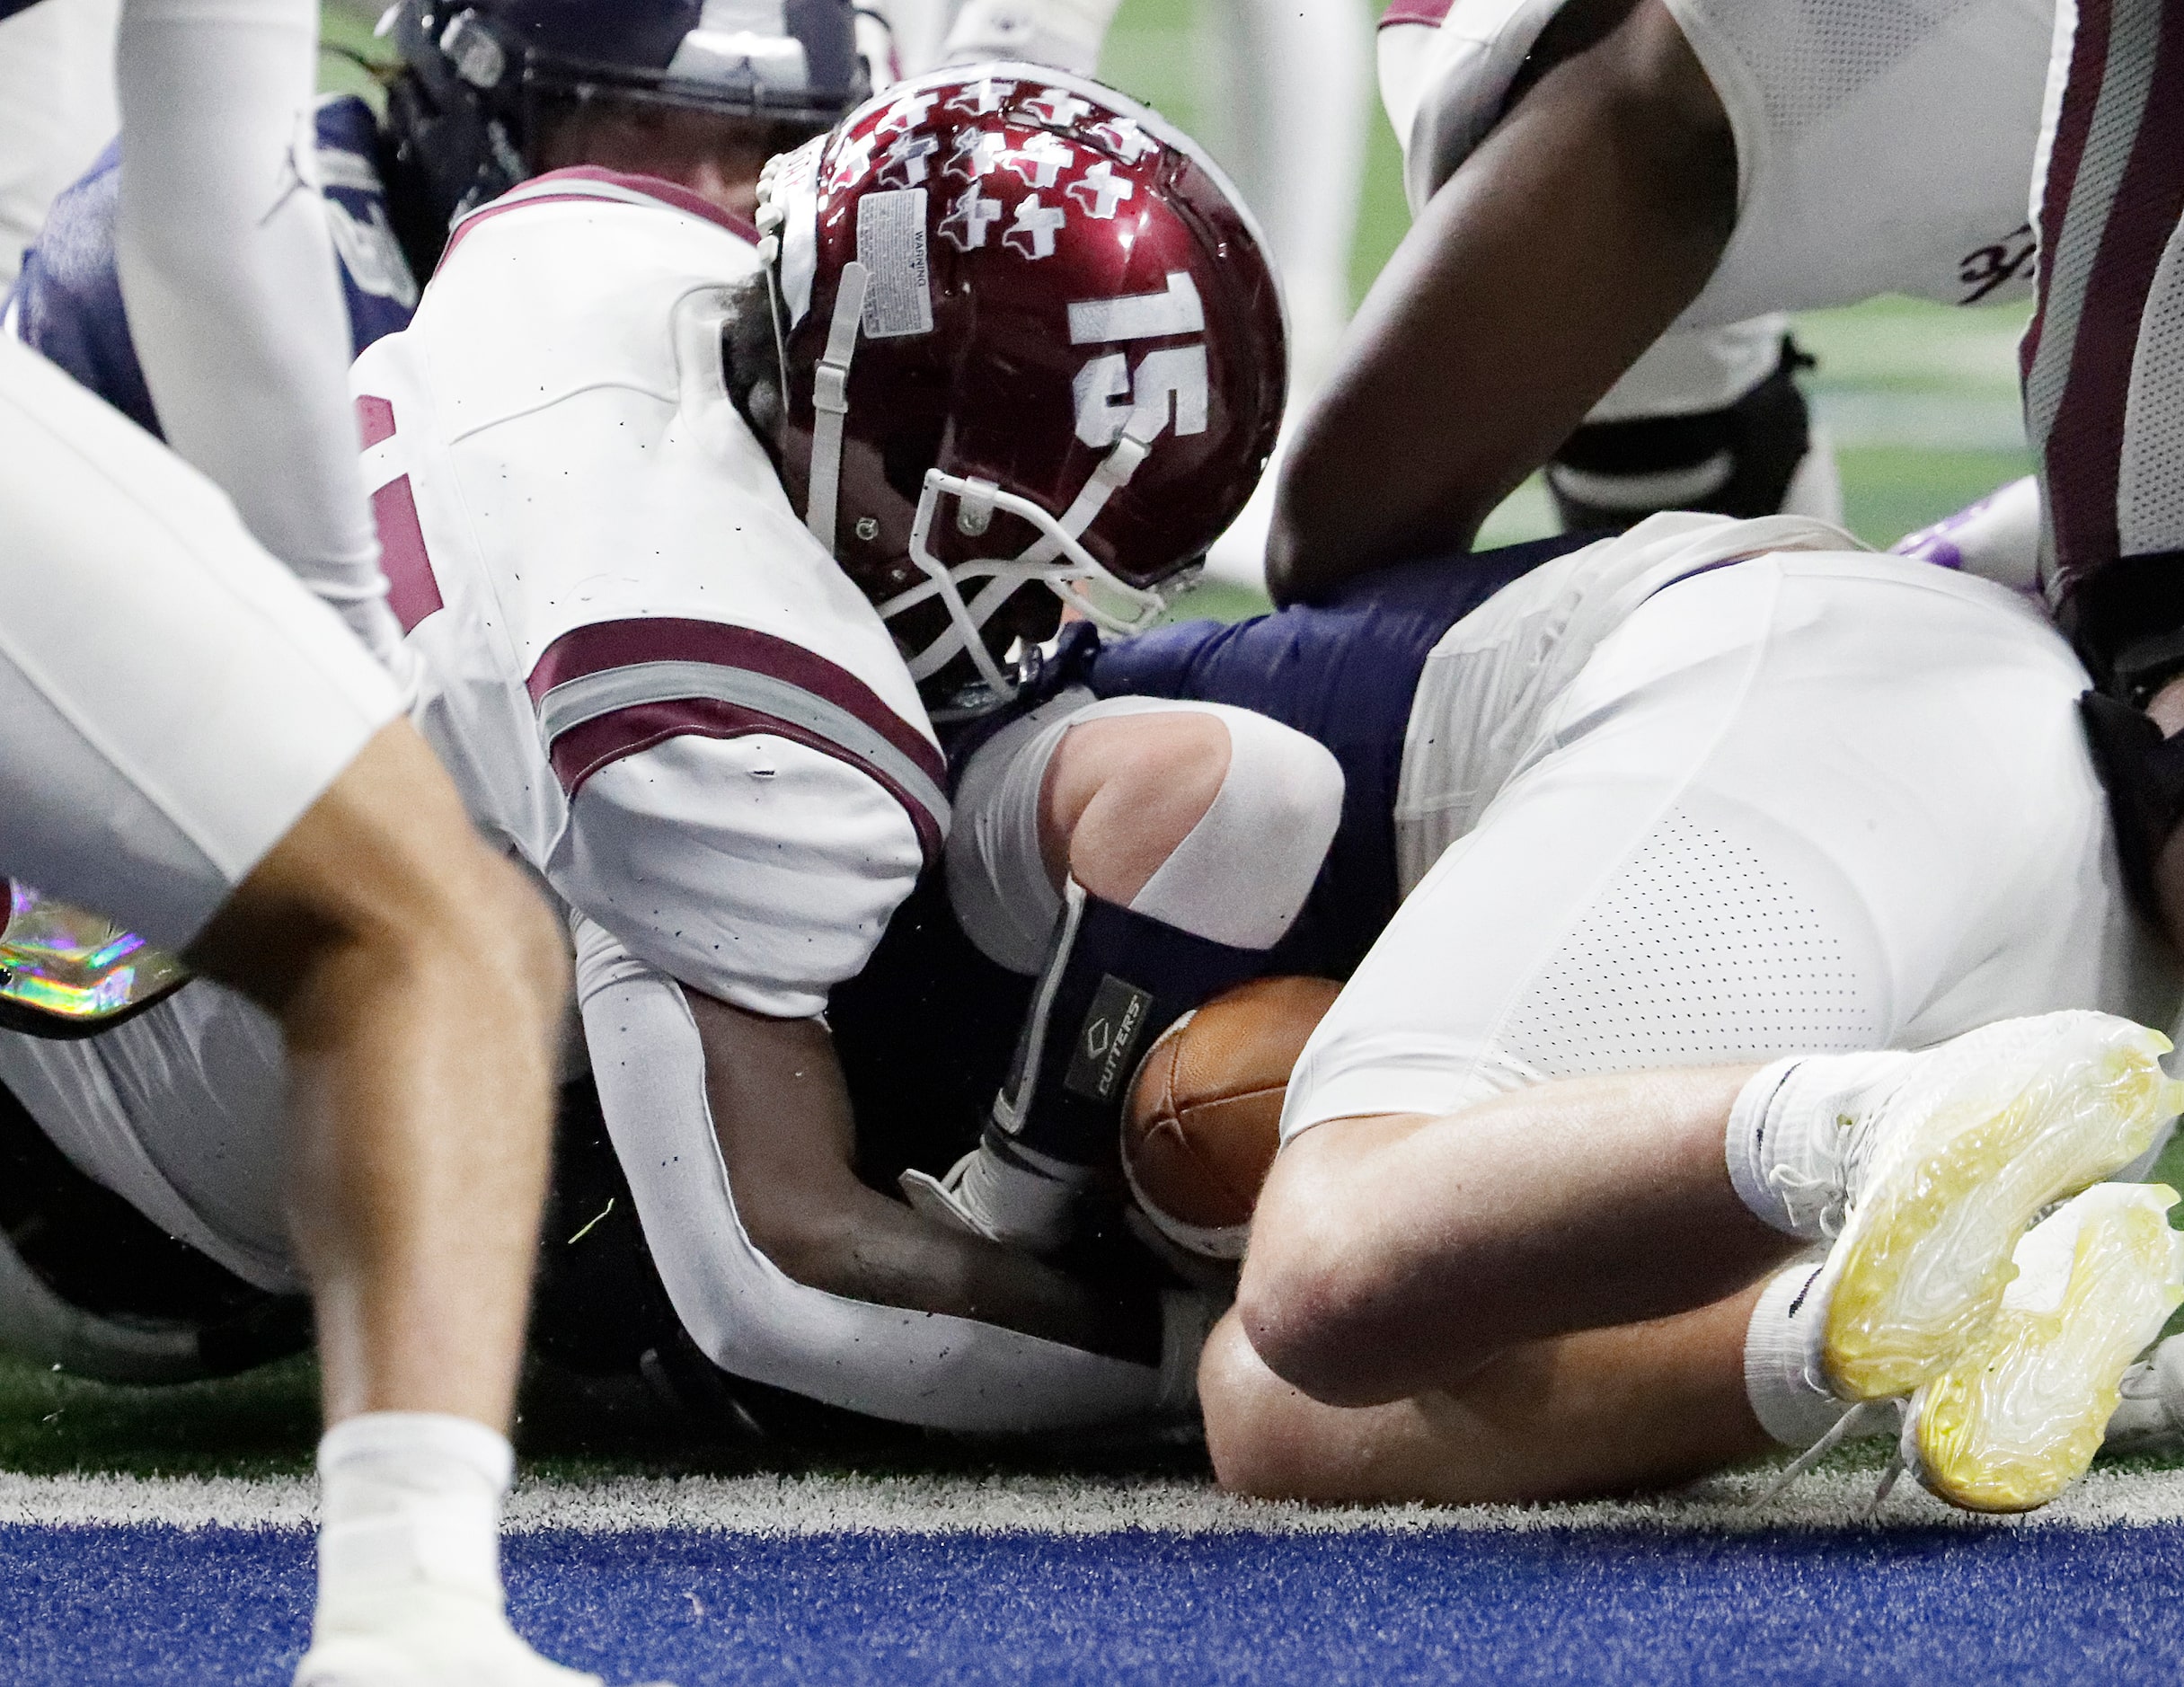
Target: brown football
(1205, 1110)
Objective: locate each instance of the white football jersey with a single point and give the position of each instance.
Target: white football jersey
(1882, 146)
(647, 677)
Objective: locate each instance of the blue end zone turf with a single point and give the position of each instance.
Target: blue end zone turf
(159, 1605)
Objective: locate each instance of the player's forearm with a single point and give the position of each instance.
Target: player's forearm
(228, 274)
(1555, 256)
(754, 1318)
(782, 1115)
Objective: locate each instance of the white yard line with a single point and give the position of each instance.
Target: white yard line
(781, 1506)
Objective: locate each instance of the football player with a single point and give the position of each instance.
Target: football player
(1692, 836)
(487, 95)
(2103, 370)
(1697, 712)
(1591, 177)
(196, 746)
(1005, 328)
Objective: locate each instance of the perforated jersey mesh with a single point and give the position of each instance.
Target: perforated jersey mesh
(1697, 953)
(1810, 58)
(2150, 490)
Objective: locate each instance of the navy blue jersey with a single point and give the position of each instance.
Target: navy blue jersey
(67, 302)
(927, 1031)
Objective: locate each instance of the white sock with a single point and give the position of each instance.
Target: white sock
(409, 1501)
(1789, 1403)
(1788, 1130)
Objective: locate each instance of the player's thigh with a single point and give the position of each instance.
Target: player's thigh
(1593, 922)
(173, 699)
(1783, 812)
(180, 1111)
(1918, 737)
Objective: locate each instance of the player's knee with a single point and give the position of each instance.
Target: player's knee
(1305, 1301)
(1322, 1297)
(1249, 1414)
(517, 932)
(383, 884)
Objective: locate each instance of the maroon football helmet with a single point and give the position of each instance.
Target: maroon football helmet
(1028, 332)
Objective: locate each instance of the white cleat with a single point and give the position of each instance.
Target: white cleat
(1949, 1160)
(2019, 1417)
(428, 1638)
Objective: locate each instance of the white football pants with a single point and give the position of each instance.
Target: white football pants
(1814, 801)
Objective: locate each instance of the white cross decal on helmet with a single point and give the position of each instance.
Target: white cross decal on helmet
(1098, 191)
(1057, 106)
(906, 161)
(1040, 160)
(1036, 226)
(970, 215)
(1129, 142)
(976, 154)
(982, 98)
(905, 114)
(853, 161)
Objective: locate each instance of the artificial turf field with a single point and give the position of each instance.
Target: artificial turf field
(161, 1536)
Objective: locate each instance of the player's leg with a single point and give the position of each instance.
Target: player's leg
(198, 748)
(2103, 365)
(417, 980)
(1720, 910)
(1711, 420)
(1602, 1411)
(2104, 357)
(1605, 198)
(1393, 1252)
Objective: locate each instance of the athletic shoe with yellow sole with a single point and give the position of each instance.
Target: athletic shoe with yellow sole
(1949, 1161)
(2019, 1417)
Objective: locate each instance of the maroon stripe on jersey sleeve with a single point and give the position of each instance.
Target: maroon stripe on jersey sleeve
(2083, 449)
(609, 644)
(374, 421)
(583, 750)
(2088, 54)
(1426, 12)
(412, 592)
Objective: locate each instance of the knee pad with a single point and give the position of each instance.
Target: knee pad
(1738, 460)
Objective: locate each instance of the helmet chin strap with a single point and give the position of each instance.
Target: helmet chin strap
(830, 405)
(1058, 558)
(1059, 538)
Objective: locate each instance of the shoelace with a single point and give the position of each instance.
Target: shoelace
(1789, 1183)
(1866, 1414)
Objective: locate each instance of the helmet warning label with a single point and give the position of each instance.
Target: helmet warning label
(891, 246)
